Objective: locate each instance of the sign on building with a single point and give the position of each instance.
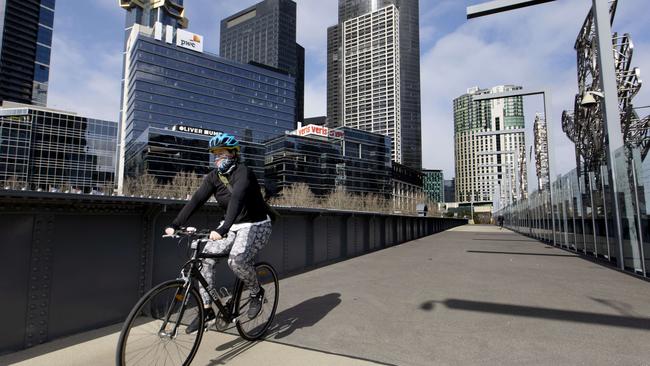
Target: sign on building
(319, 131)
(189, 40)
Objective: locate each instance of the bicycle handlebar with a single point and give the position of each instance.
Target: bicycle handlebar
(189, 231)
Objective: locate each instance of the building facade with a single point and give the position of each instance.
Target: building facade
(432, 185)
(164, 153)
(407, 187)
(171, 82)
(489, 147)
(26, 28)
(46, 149)
(266, 33)
(325, 159)
(320, 121)
(406, 51)
(450, 190)
(371, 86)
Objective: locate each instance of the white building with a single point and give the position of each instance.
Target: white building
(371, 75)
(489, 147)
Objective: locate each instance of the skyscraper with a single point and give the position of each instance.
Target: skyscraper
(25, 45)
(489, 146)
(358, 15)
(171, 83)
(265, 33)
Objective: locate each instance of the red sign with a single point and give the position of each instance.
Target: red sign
(319, 131)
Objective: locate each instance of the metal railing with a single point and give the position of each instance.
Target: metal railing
(73, 263)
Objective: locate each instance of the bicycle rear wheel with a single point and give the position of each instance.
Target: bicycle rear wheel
(254, 329)
(154, 331)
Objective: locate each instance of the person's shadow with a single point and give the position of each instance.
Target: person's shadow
(302, 315)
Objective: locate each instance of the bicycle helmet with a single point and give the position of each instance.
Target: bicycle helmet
(223, 140)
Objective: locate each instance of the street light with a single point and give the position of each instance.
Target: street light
(589, 99)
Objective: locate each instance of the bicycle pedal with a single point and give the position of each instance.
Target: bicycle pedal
(220, 324)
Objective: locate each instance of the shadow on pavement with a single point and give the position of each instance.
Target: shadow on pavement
(58, 344)
(303, 315)
(543, 313)
(234, 347)
(517, 253)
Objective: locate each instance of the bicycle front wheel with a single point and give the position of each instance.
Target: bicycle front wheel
(154, 332)
(254, 329)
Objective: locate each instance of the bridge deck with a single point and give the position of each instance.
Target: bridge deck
(471, 295)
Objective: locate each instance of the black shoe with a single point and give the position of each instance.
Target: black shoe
(208, 315)
(255, 304)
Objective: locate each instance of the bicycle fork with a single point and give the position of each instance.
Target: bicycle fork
(183, 298)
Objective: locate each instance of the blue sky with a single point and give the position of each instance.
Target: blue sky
(532, 47)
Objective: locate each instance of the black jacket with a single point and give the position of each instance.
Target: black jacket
(244, 204)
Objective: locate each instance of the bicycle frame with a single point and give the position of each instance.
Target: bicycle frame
(193, 273)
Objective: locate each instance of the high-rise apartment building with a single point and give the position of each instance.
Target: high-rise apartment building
(347, 60)
(489, 144)
(432, 185)
(265, 33)
(371, 87)
(26, 28)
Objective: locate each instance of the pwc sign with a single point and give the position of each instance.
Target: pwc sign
(189, 40)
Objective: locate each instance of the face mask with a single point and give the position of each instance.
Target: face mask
(225, 164)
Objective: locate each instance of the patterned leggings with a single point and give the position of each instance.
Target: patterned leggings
(243, 244)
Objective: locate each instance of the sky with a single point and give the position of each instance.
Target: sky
(531, 47)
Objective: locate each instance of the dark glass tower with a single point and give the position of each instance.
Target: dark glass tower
(266, 33)
(25, 45)
(409, 35)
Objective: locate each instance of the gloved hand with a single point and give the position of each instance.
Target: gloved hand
(215, 235)
(170, 231)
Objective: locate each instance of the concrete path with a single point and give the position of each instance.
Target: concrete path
(474, 295)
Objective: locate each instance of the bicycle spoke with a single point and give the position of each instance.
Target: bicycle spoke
(147, 337)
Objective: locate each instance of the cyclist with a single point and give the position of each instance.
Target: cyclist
(246, 227)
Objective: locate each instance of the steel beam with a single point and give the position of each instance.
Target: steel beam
(498, 6)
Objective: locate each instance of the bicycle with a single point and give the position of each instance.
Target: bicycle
(162, 314)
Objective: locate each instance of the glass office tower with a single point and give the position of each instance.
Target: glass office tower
(170, 84)
(48, 149)
(357, 160)
(26, 28)
(163, 153)
(266, 33)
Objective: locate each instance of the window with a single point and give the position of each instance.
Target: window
(41, 73)
(46, 17)
(44, 35)
(48, 3)
(43, 54)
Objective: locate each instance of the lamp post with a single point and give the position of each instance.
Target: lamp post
(546, 98)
